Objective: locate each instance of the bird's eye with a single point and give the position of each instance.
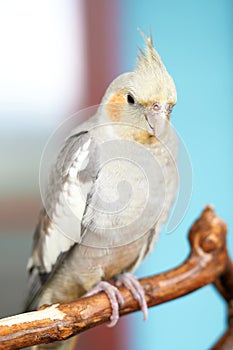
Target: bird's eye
(130, 99)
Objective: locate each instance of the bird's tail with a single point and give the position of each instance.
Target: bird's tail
(69, 344)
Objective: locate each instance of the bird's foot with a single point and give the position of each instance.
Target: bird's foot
(114, 296)
(131, 282)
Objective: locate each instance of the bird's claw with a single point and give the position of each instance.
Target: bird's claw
(114, 296)
(131, 282)
(116, 300)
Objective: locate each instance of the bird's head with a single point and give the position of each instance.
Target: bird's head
(143, 98)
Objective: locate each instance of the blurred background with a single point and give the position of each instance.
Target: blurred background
(57, 57)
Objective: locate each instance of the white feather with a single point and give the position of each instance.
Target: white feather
(65, 227)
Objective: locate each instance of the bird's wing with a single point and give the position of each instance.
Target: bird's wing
(59, 227)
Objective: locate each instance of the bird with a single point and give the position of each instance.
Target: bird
(94, 226)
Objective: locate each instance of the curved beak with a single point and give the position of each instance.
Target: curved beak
(156, 122)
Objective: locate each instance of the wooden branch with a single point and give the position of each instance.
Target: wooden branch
(226, 341)
(208, 263)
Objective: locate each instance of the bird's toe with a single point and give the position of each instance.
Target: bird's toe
(131, 282)
(114, 296)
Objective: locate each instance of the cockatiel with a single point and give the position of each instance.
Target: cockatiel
(109, 243)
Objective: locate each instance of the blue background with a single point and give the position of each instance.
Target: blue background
(194, 39)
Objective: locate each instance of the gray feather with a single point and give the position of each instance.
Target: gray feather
(45, 234)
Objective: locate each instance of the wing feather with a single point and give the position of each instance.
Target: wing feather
(59, 227)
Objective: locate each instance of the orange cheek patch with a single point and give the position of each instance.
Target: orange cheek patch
(115, 107)
(144, 137)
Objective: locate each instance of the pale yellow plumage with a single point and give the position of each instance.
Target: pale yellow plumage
(140, 99)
